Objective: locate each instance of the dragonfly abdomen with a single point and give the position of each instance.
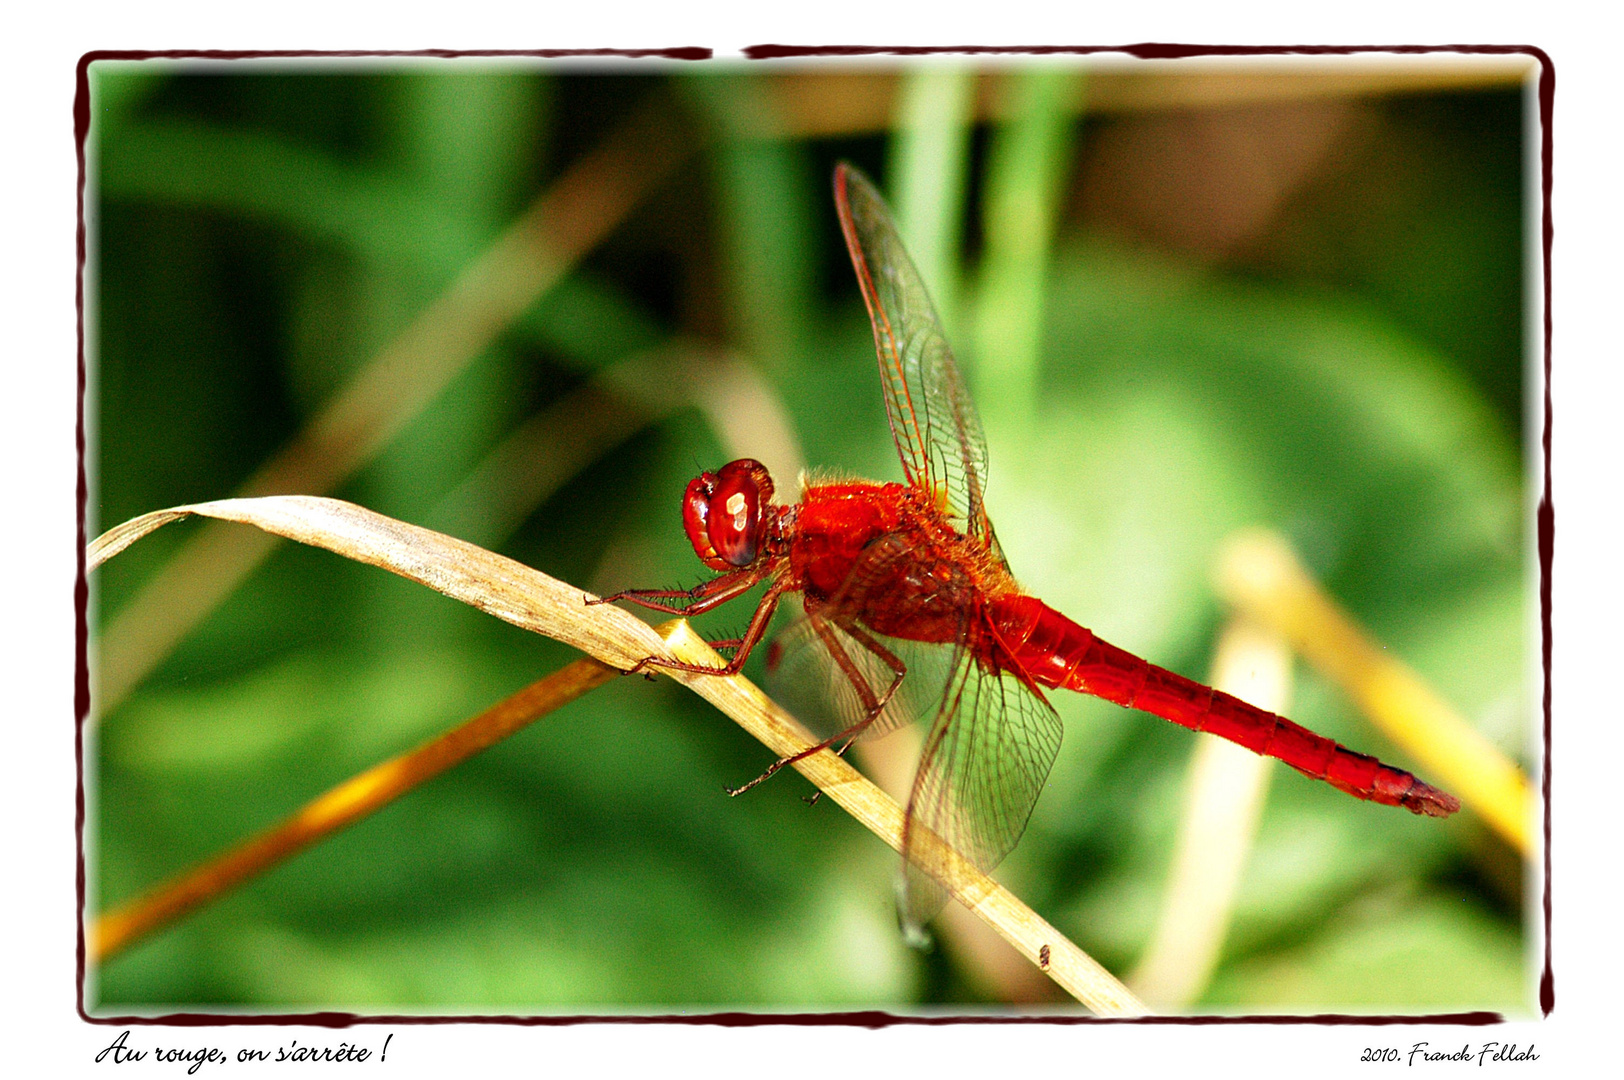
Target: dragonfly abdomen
(1056, 652)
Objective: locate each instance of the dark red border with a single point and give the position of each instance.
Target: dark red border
(1545, 525)
(1149, 50)
(871, 1018)
(685, 52)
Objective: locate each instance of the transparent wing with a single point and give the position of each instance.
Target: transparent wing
(933, 421)
(987, 756)
(816, 664)
(805, 676)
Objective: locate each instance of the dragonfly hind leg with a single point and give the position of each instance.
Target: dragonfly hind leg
(873, 704)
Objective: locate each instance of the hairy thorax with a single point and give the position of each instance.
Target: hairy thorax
(888, 556)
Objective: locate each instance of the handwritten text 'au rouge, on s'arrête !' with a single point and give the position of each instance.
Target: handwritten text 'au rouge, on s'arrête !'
(120, 1052)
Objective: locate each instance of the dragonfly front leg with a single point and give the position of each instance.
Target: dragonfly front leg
(742, 646)
(699, 599)
(873, 704)
(696, 601)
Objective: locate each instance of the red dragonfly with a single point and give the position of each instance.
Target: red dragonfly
(911, 609)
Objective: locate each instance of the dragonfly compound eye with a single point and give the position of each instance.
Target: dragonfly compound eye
(696, 502)
(722, 513)
(733, 522)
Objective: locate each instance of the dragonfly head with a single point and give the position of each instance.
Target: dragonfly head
(728, 513)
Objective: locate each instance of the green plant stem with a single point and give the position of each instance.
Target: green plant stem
(1025, 170)
(929, 157)
(342, 806)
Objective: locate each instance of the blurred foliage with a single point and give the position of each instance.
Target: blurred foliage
(1352, 374)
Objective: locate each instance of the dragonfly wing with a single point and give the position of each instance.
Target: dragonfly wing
(815, 664)
(804, 675)
(933, 421)
(987, 756)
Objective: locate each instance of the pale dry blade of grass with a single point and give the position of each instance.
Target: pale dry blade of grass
(1223, 800)
(530, 599)
(493, 583)
(1074, 970)
(1260, 575)
(569, 219)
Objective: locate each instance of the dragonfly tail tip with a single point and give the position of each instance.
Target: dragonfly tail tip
(1428, 800)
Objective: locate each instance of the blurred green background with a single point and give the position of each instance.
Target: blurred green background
(1186, 306)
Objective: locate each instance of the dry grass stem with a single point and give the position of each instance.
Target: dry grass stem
(528, 598)
(746, 414)
(1075, 971)
(988, 962)
(1223, 800)
(493, 583)
(342, 806)
(820, 105)
(1262, 577)
(562, 226)
(538, 456)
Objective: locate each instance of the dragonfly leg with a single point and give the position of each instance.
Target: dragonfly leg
(743, 646)
(840, 751)
(886, 657)
(695, 601)
(873, 704)
(698, 600)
